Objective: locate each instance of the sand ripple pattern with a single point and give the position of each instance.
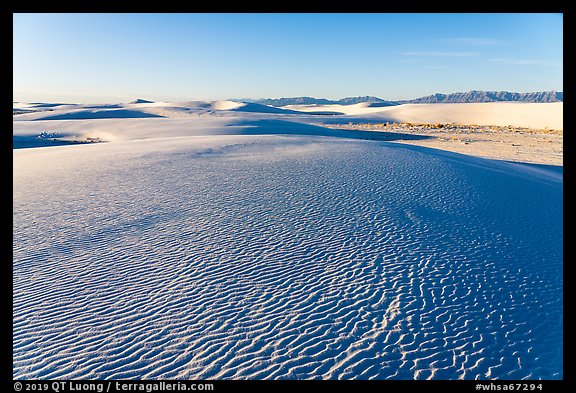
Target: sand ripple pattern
(282, 257)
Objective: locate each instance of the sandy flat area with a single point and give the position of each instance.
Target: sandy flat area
(500, 143)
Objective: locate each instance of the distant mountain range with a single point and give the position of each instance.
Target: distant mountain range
(318, 101)
(489, 96)
(472, 96)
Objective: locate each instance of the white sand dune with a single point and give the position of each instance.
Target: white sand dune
(531, 115)
(112, 130)
(254, 246)
(143, 109)
(144, 119)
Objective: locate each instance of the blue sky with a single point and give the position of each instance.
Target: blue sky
(118, 57)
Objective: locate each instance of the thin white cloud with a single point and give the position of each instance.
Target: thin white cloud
(439, 54)
(474, 41)
(553, 83)
(510, 60)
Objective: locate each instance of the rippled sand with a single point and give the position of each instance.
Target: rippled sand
(276, 257)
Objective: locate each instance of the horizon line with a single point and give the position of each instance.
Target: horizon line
(242, 99)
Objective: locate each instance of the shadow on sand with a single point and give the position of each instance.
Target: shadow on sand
(100, 114)
(247, 127)
(282, 127)
(26, 142)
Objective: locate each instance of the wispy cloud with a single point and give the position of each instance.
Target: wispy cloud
(473, 41)
(437, 67)
(510, 60)
(440, 54)
(551, 82)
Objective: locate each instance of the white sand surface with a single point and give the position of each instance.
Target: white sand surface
(231, 245)
(532, 115)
